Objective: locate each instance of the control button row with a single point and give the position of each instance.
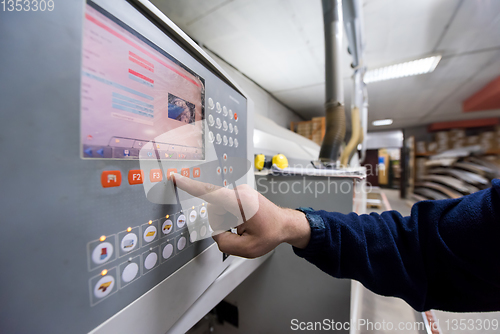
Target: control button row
(218, 139)
(222, 124)
(103, 249)
(113, 178)
(225, 112)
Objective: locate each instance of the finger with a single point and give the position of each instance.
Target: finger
(206, 191)
(233, 244)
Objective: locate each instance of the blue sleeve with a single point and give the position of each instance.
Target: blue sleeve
(446, 255)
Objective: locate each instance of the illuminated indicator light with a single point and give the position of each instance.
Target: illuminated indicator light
(129, 229)
(203, 204)
(102, 238)
(117, 140)
(193, 207)
(104, 272)
(150, 222)
(167, 216)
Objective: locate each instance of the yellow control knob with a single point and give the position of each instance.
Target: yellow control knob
(259, 161)
(280, 161)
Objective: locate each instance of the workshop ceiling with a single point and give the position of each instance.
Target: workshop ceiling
(279, 44)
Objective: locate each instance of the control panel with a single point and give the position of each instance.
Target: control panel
(121, 104)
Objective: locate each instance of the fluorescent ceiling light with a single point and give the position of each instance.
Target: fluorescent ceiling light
(381, 122)
(406, 69)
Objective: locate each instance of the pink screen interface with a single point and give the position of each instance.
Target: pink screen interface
(134, 92)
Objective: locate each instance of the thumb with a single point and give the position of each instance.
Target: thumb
(233, 244)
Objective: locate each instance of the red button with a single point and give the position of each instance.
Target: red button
(185, 172)
(135, 176)
(155, 175)
(235, 116)
(170, 171)
(112, 178)
(196, 172)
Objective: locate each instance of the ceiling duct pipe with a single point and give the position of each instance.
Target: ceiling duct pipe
(353, 22)
(335, 114)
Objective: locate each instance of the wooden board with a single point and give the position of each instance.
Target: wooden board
(451, 182)
(429, 193)
(441, 188)
(468, 177)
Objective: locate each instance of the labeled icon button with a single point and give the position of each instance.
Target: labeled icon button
(104, 286)
(185, 172)
(129, 242)
(135, 176)
(111, 179)
(150, 233)
(203, 212)
(171, 171)
(155, 175)
(181, 221)
(102, 252)
(192, 216)
(167, 226)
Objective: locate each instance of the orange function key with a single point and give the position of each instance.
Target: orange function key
(196, 172)
(135, 176)
(171, 171)
(155, 175)
(111, 178)
(185, 172)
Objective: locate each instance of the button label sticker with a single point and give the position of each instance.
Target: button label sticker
(129, 242)
(135, 176)
(181, 221)
(111, 178)
(170, 171)
(102, 252)
(203, 212)
(104, 286)
(167, 226)
(196, 172)
(150, 234)
(185, 172)
(155, 175)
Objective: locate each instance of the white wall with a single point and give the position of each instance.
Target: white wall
(265, 104)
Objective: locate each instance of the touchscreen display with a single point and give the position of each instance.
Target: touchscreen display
(134, 92)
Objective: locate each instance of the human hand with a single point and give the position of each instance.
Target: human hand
(261, 225)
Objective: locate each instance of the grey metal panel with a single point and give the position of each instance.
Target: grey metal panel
(52, 202)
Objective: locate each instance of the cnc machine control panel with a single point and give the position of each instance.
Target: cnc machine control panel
(102, 225)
